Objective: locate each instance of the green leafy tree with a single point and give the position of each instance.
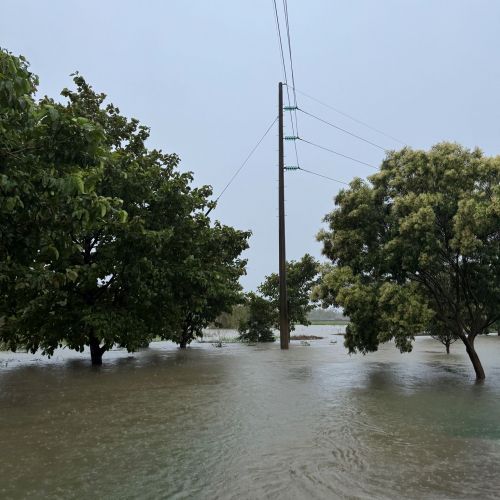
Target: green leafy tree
(263, 310)
(97, 230)
(233, 318)
(301, 278)
(418, 243)
(49, 162)
(208, 281)
(439, 331)
(258, 325)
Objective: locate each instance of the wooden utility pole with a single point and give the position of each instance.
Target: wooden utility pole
(284, 332)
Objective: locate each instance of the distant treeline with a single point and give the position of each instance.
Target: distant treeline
(240, 313)
(320, 314)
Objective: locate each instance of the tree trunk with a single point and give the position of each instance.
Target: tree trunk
(96, 351)
(476, 363)
(447, 347)
(185, 337)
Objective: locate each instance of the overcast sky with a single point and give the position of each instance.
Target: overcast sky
(203, 75)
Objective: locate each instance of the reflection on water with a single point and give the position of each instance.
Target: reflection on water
(251, 422)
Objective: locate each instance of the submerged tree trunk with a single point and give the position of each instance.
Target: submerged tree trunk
(184, 338)
(476, 363)
(447, 347)
(96, 351)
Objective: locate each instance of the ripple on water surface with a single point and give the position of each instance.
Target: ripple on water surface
(251, 422)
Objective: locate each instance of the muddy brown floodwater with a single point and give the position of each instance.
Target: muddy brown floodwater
(252, 422)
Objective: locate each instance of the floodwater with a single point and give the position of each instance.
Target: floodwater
(252, 422)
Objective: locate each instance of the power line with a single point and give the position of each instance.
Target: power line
(295, 147)
(337, 153)
(244, 162)
(342, 129)
(323, 176)
(278, 30)
(280, 42)
(352, 118)
(285, 8)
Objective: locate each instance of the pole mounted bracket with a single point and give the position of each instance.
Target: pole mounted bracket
(290, 108)
(292, 167)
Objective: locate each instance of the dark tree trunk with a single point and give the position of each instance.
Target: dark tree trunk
(447, 347)
(96, 351)
(185, 338)
(476, 363)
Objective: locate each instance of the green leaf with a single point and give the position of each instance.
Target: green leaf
(123, 216)
(71, 274)
(53, 252)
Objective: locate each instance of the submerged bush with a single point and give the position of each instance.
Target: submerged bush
(257, 326)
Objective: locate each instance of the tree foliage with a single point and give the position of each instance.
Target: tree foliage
(103, 241)
(263, 310)
(418, 243)
(258, 323)
(439, 331)
(231, 319)
(301, 278)
(207, 284)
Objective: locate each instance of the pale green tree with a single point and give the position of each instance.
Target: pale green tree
(418, 243)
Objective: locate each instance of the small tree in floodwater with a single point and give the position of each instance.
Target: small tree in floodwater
(302, 276)
(263, 311)
(439, 331)
(208, 281)
(416, 244)
(258, 324)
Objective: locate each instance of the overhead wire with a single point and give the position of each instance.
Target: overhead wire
(337, 153)
(240, 168)
(285, 9)
(389, 136)
(342, 129)
(278, 29)
(293, 110)
(323, 176)
(293, 114)
(280, 42)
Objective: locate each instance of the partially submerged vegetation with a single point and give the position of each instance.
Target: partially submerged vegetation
(305, 337)
(263, 308)
(416, 249)
(103, 241)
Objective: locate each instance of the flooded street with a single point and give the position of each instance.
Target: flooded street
(252, 422)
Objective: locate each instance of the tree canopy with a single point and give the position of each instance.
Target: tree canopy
(103, 241)
(257, 324)
(301, 278)
(419, 243)
(263, 309)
